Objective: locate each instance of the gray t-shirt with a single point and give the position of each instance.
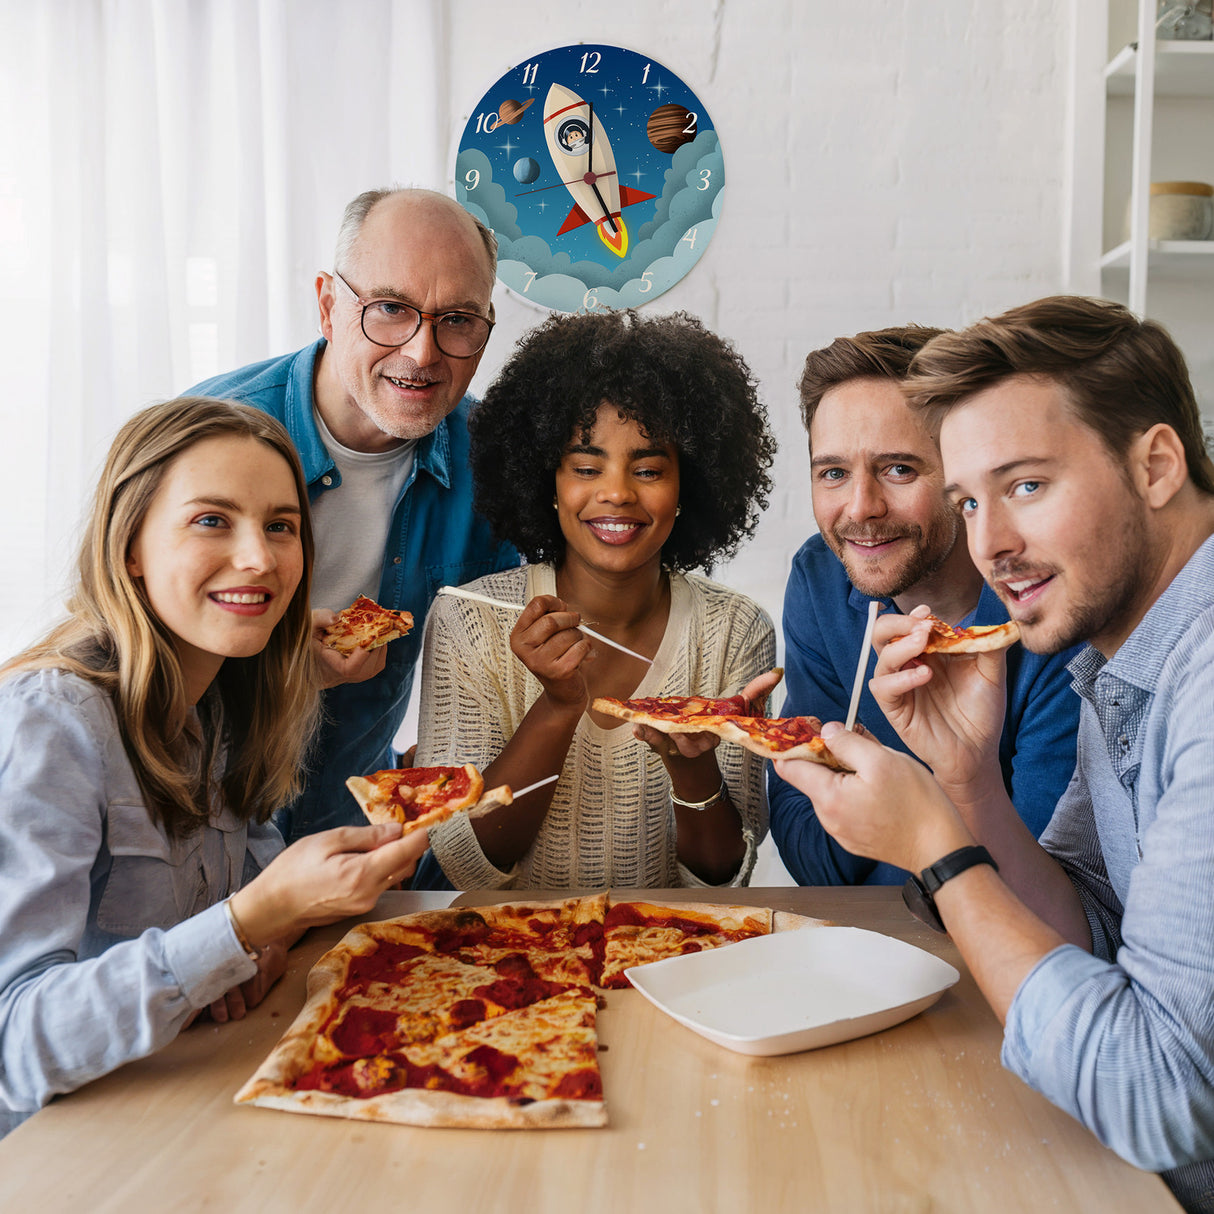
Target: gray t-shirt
(351, 521)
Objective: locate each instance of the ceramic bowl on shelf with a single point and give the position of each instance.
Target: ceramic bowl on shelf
(1180, 210)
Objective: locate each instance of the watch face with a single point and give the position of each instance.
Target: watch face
(921, 904)
(600, 173)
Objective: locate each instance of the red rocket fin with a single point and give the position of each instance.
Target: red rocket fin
(574, 219)
(628, 195)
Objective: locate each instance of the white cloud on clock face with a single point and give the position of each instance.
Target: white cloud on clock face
(691, 197)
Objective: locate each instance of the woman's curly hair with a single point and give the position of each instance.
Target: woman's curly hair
(680, 383)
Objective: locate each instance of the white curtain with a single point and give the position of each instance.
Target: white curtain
(172, 173)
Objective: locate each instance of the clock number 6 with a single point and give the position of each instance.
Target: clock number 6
(590, 300)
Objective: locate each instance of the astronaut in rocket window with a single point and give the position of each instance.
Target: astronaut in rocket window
(573, 138)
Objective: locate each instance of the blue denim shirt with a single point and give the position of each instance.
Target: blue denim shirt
(824, 622)
(1123, 1038)
(436, 539)
(112, 933)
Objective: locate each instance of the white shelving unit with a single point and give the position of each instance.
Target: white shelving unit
(1142, 110)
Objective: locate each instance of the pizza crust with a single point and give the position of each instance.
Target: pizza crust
(418, 1107)
(978, 638)
(815, 750)
(728, 729)
(982, 638)
(698, 723)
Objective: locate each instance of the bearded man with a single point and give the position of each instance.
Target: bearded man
(886, 532)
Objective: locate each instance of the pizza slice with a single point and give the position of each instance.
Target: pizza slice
(978, 638)
(781, 738)
(674, 714)
(423, 998)
(366, 625)
(556, 941)
(536, 1066)
(420, 797)
(636, 933)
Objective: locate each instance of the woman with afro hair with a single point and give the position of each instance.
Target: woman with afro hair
(617, 452)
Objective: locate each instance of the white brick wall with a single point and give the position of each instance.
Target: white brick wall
(890, 161)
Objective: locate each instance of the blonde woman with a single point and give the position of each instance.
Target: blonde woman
(143, 745)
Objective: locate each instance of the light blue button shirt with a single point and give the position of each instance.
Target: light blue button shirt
(112, 933)
(1123, 1038)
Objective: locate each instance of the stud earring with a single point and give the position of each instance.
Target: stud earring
(677, 511)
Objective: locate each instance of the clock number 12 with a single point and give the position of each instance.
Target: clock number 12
(593, 58)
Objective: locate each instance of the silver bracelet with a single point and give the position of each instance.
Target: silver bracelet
(719, 795)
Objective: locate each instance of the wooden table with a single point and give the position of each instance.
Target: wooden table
(919, 1117)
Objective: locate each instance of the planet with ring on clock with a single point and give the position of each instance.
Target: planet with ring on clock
(671, 126)
(510, 112)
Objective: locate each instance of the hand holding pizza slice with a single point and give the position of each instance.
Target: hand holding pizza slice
(365, 625)
(421, 797)
(770, 737)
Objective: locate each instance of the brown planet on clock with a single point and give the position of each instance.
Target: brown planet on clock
(510, 112)
(671, 126)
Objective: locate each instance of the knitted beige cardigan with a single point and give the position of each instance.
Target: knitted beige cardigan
(611, 821)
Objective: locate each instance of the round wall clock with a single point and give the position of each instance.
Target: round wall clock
(600, 173)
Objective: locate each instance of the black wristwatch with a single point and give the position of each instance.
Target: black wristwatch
(919, 892)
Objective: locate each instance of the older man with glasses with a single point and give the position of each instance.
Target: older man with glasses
(378, 412)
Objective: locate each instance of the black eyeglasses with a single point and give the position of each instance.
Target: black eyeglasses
(392, 323)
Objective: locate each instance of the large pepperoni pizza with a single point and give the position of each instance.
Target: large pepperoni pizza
(480, 1018)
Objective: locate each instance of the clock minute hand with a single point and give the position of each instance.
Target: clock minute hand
(575, 181)
(590, 137)
(591, 175)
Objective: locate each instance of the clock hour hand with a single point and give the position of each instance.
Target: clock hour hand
(606, 213)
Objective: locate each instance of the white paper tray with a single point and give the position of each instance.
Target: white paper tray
(796, 990)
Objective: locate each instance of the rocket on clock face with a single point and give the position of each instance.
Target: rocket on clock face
(623, 139)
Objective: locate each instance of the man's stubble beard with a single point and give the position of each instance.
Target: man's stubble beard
(931, 550)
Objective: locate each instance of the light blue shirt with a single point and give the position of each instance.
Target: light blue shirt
(112, 933)
(1123, 1038)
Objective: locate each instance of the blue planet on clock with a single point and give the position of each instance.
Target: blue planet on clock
(526, 170)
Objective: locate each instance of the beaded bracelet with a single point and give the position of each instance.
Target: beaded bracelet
(706, 804)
